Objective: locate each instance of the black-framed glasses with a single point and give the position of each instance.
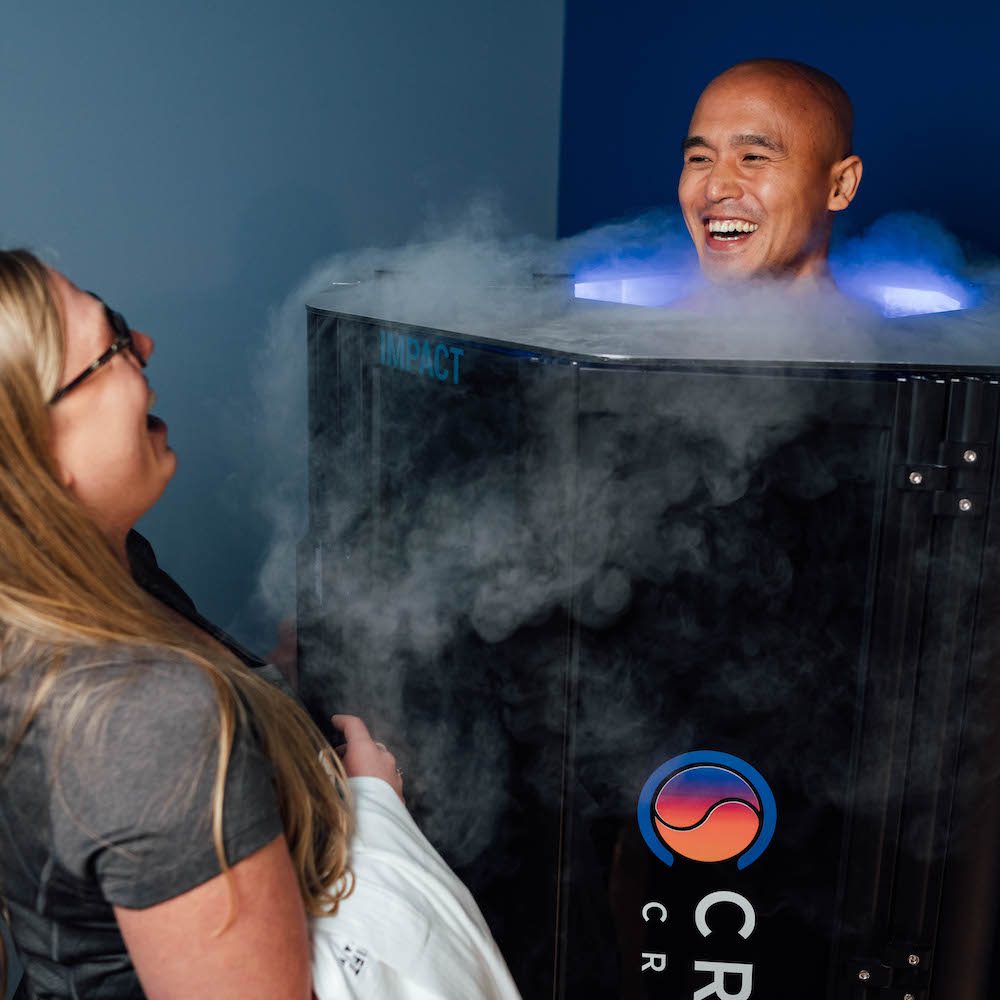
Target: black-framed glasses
(122, 341)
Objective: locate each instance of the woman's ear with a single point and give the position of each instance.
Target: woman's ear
(66, 477)
(63, 471)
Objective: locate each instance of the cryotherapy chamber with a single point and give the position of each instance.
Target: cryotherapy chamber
(683, 632)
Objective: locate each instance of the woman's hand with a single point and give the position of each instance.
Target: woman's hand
(363, 757)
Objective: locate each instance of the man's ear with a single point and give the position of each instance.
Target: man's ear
(845, 176)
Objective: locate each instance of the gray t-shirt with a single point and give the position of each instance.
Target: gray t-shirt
(117, 813)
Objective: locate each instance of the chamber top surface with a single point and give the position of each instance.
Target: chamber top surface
(546, 320)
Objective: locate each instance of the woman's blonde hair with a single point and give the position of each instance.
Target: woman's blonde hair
(62, 586)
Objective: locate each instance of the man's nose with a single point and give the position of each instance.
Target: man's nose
(723, 183)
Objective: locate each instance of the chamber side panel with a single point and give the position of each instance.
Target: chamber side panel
(742, 511)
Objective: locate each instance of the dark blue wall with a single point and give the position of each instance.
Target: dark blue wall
(925, 82)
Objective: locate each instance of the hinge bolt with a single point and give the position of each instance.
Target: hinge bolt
(915, 959)
(864, 975)
(970, 456)
(916, 478)
(964, 505)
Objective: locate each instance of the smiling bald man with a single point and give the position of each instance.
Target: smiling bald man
(767, 161)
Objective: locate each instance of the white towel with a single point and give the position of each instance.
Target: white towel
(410, 930)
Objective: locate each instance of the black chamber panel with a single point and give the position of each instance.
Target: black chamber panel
(431, 507)
(746, 507)
(482, 679)
(542, 580)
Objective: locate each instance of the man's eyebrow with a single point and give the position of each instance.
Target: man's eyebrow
(694, 140)
(752, 139)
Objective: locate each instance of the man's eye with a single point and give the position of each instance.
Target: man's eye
(754, 156)
(697, 159)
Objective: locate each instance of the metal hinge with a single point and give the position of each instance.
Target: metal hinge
(901, 973)
(957, 460)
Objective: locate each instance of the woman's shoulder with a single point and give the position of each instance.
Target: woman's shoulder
(117, 703)
(132, 749)
(80, 682)
(120, 675)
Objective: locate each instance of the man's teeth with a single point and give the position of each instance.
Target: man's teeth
(731, 226)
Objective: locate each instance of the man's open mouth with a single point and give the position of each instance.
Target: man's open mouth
(729, 230)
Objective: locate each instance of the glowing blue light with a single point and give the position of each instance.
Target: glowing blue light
(897, 301)
(903, 265)
(898, 288)
(892, 300)
(644, 290)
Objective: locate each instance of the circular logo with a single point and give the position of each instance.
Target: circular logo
(707, 806)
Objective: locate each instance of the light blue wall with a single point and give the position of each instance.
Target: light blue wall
(190, 160)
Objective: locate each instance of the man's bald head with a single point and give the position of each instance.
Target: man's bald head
(767, 161)
(822, 96)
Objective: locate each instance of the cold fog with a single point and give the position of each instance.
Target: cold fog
(667, 515)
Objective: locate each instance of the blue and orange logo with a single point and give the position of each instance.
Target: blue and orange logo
(707, 806)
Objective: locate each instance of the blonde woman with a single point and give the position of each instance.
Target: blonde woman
(169, 819)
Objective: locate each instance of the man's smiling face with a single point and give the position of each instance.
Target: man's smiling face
(761, 176)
